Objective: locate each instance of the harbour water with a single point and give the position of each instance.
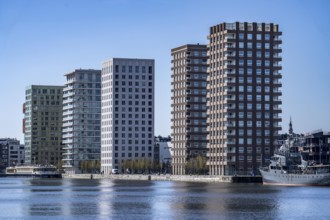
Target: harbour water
(28, 198)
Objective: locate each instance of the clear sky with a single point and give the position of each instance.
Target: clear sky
(41, 40)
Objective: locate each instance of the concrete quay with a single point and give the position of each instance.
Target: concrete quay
(167, 177)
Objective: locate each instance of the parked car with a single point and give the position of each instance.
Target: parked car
(114, 171)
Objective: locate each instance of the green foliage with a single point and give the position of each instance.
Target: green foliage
(196, 166)
(142, 165)
(90, 166)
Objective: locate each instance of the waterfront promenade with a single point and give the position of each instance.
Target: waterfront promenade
(167, 177)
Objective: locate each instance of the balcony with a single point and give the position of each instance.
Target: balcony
(230, 150)
(230, 115)
(229, 63)
(230, 80)
(229, 89)
(276, 73)
(229, 46)
(229, 38)
(230, 106)
(230, 124)
(277, 90)
(229, 71)
(230, 54)
(230, 98)
(278, 82)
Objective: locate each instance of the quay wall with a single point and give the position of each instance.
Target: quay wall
(182, 178)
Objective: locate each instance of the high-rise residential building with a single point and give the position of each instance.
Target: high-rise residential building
(81, 133)
(244, 91)
(42, 124)
(189, 74)
(127, 124)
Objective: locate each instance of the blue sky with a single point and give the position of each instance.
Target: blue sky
(40, 41)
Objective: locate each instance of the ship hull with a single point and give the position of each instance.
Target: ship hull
(57, 175)
(285, 179)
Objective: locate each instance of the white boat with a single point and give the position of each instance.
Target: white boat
(288, 168)
(47, 171)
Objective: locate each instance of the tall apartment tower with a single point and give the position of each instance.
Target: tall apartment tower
(81, 134)
(189, 73)
(243, 96)
(127, 125)
(42, 124)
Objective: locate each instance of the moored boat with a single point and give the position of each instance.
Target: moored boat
(44, 171)
(287, 167)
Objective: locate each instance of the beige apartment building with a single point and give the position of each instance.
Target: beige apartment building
(42, 124)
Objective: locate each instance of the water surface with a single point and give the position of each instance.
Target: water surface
(28, 198)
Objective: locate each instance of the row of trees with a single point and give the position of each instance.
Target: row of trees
(90, 166)
(144, 166)
(197, 166)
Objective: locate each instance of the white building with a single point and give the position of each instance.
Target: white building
(81, 120)
(127, 124)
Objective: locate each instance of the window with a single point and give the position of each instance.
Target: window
(249, 45)
(258, 124)
(241, 62)
(267, 36)
(259, 62)
(249, 53)
(241, 141)
(241, 114)
(249, 36)
(258, 36)
(241, 45)
(258, 54)
(267, 54)
(249, 62)
(258, 45)
(241, 35)
(241, 53)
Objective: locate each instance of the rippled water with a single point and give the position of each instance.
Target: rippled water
(25, 198)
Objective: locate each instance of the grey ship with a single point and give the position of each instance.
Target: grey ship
(287, 167)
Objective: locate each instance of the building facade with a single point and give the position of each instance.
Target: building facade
(42, 124)
(316, 148)
(81, 133)
(189, 74)
(244, 91)
(127, 124)
(163, 153)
